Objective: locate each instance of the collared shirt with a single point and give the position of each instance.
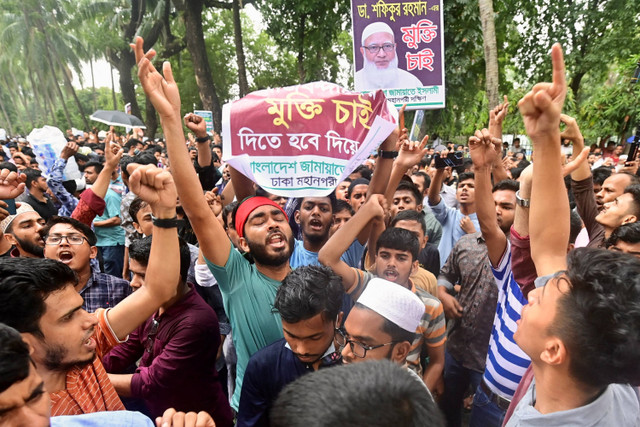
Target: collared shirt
(112, 235)
(103, 291)
(268, 371)
(45, 209)
(182, 351)
(88, 388)
(68, 201)
(469, 266)
(451, 230)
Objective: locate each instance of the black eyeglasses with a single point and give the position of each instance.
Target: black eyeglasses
(358, 349)
(152, 335)
(72, 239)
(374, 48)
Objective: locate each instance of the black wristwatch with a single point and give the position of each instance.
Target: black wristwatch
(203, 139)
(165, 222)
(384, 154)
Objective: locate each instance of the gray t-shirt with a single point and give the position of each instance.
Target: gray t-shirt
(618, 406)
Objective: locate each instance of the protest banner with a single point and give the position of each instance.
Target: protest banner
(208, 118)
(398, 46)
(304, 140)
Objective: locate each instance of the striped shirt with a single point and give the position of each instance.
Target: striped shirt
(88, 388)
(506, 362)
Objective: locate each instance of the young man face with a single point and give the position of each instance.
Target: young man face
(143, 223)
(358, 196)
(339, 219)
(394, 265)
(612, 187)
(309, 339)
(315, 218)
(68, 332)
(268, 236)
(404, 199)
(415, 228)
(364, 326)
(90, 174)
(341, 190)
(26, 402)
(617, 212)
(138, 274)
(505, 201)
(25, 234)
(40, 184)
(466, 191)
(76, 256)
(419, 181)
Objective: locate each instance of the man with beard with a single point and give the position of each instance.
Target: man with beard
(37, 298)
(74, 244)
(380, 62)
(315, 218)
(309, 302)
(22, 231)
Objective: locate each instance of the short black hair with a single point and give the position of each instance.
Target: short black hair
(506, 184)
(364, 172)
(400, 240)
(140, 250)
(575, 223)
(97, 165)
(343, 205)
(598, 318)
(8, 165)
(25, 284)
(331, 196)
(32, 175)
(308, 291)
(410, 215)
(410, 187)
(628, 233)
(135, 206)
(634, 190)
(357, 181)
(229, 209)
(80, 226)
(425, 177)
(465, 176)
(372, 393)
(15, 361)
(141, 159)
(600, 175)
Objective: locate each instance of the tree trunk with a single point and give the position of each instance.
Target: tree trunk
(113, 87)
(58, 90)
(490, 51)
(301, 71)
(237, 32)
(198, 51)
(69, 84)
(575, 84)
(127, 88)
(93, 85)
(151, 120)
(38, 98)
(6, 116)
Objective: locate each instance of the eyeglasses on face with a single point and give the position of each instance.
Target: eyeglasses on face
(358, 349)
(374, 48)
(72, 239)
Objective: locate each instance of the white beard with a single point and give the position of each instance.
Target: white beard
(381, 77)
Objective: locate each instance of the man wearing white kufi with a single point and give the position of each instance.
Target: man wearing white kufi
(380, 70)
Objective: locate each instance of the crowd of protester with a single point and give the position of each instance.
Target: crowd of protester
(164, 286)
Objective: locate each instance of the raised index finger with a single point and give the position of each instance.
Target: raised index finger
(557, 62)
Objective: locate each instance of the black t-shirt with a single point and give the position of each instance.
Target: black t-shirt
(45, 209)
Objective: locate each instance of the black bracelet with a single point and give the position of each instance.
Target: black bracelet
(384, 154)
(203, 139)
(165, 222)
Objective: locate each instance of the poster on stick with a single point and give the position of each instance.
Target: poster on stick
(398, 46)
(304, 140)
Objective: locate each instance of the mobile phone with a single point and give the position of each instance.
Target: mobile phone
(11, 206)
(633, 150)
(452, 160)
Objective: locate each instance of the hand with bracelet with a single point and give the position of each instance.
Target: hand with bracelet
(198, 126)
(155, 186)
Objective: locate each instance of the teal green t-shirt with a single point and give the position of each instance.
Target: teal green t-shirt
(248, 297)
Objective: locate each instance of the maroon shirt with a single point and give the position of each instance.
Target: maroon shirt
(179, 372)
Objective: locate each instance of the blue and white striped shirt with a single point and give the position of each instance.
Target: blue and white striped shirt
(506, 362)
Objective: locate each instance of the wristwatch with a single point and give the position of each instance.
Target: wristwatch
(525, 203)
(165, 222)
(386, 154)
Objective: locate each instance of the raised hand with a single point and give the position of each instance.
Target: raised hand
(571, 131)
(214, 200)
(112, 154)
(155, 186)
(541, 108)
(467, 225)
(69, 150)
(377, 203)
(411, 152)
(162, 91)
(12, 184)
(483, 149)
(196, 124)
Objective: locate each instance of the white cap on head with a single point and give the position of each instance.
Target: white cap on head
(375, 27)
(24, 208)
(393, 302)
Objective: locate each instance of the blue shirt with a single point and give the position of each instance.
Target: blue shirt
(451, 230)
(301, 257)
(110, 236)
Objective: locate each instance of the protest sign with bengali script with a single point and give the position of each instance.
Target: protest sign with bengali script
(411, 71)
(304, 140)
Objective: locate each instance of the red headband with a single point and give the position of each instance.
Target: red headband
(250, 205)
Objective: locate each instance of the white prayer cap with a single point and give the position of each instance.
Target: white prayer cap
(24, 208)
(375, 27)
(393, 302)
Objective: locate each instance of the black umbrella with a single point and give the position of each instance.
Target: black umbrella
(117, 118)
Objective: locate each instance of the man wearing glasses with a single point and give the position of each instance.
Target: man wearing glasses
(74, 244)
(380, 69)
